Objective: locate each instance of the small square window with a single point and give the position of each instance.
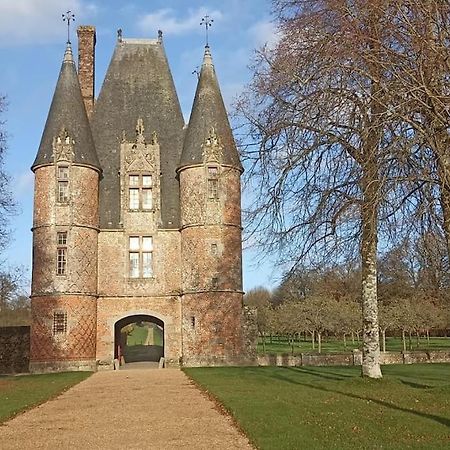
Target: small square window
(147, 243)
(134, 180)
(134, 242)
(146, 180)
(62, 238)
(214, 249)
(63, 173)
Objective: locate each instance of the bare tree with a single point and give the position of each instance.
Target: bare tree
(317, 107)
(7, 202)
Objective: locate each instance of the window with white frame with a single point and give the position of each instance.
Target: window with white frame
(213, 183)
(140, 196)
(140, 257)
(62, 176)
(61, 252)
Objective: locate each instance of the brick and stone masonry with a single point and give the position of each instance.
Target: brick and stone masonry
(123, 170)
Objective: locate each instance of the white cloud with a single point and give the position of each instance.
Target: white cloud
(38, 21)
(264, 33)
(167, 21)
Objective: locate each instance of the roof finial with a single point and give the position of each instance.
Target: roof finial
(160, 36)
(119, 35)
(68, 17)
(207, 22)
(196, 72)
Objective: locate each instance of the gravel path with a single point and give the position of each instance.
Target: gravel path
(134, 409)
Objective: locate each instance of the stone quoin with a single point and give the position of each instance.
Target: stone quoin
(136, 215)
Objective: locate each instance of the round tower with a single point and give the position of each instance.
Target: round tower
(65, 230)
(209, 176)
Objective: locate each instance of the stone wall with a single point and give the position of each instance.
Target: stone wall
(14, 349)
(351, 359)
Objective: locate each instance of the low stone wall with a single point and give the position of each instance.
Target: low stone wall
(14, 349)
(352, 359)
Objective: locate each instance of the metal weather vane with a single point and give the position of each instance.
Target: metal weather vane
(207, 22)
(68, 17)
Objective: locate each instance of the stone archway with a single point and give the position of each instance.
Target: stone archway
(139, 338)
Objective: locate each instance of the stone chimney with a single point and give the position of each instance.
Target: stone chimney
(86, 65)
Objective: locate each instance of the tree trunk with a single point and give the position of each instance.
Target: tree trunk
(371, 340)
(428, 338)
(312, 340)
(319, 341)
(404, 340)
(417, 339)
(345, 342)
(409, 341)
(263, 342)
(353, 338)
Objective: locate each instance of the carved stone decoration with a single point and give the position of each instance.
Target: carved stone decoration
(212, 147)
(63, 147)
(140, 139)
(154, 140)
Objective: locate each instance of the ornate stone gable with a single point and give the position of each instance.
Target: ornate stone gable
(140, 157)
(212, 149)
(63, 147)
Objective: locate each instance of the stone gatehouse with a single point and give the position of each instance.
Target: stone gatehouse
(136, 215)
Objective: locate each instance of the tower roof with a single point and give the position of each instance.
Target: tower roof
(67, 112)
(138, 85)
(208, 114)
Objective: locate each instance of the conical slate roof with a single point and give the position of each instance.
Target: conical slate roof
(138, 85)
(208, 112)
(67, 112)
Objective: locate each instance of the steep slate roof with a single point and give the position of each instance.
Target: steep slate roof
(208, 111)
(67, 111)
(138, 84)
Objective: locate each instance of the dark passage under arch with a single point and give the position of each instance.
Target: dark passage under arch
(139, 338)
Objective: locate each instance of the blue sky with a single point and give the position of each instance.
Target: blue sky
(32, 42)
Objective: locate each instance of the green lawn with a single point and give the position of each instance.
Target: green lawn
(393, 344)
(334, 408)
(23, 392)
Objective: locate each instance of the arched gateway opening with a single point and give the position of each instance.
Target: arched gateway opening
(139, 338)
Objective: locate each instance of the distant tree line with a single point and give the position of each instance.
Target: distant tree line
(414, 292)
(14, 298)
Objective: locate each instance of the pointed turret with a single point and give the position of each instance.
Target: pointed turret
(208, 115)
(67, 112)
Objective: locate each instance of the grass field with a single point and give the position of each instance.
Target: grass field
(23, 392)
(281, 345)
(334, 408)
(138, 335)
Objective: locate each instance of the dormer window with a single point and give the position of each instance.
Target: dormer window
(140, 194)
(63, 184)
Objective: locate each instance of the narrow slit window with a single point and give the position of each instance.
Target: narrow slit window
(134, 198)
(63, 184)
(213, 183)
(61, 253)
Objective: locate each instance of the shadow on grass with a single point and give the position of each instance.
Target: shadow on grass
(441, 420)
